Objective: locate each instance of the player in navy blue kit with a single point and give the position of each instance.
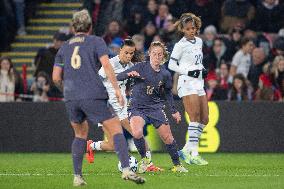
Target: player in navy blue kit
(152, 88)
(85, 95)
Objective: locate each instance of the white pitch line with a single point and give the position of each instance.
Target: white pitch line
(112, 174)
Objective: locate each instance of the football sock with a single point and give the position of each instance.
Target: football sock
(172, 150)
(78, 150)
(96, 145)
(121, 150)
(192, 143)
(200, 130)
(140, 145)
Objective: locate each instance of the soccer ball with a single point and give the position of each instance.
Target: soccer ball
(133, 163)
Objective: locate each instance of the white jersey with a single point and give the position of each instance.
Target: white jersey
(187, 56)
(117, 68)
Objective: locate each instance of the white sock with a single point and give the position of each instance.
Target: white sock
(201, 127)
(96, 145)
(149, 155)
(193, 140)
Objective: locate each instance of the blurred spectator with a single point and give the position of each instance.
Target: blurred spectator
(114, 10)
(255, 70)
(210, 34)
(176, 7)
(235, 40)
(114, 47)
(170, 34)
(268, 16)
(43, 89)
(7, 23)
(149, 33)
(278, 73)
(44, 59)
(208, 10)
(217, 56)
(223, 73)
(163, 17)
(266, 88)
(236, 13)
(242, 59)
(114, 30)
(278, 47)
(20, 16)
(139, 41)
(239, 90)
(213, 89)
(40, 87)
(259, 39)
(151, 11)
(136, 22)
(139, 54)
(94, 8)
(10, 81)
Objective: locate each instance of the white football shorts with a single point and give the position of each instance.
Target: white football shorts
(189, 86)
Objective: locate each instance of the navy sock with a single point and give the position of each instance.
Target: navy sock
(78, 150)
(140, 145)
(120, 147)
(172, 150)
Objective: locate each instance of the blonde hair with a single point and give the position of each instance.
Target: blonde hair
(81, 21)
(165, 52)
(276, 60)
(189, 17)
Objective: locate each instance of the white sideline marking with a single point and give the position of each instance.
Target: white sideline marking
(112, 174)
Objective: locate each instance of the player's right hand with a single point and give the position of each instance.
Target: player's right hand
(133, 74)
(119, 97)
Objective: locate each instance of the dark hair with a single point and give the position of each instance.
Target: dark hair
(10, 71)
(43, 74)
(245, 40)
(244, 88)
(128, 42)
(138, 56)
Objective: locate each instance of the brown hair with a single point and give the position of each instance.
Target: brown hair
(11, 70)
(159, 44)
(189, 17)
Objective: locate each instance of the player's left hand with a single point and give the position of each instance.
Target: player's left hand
(177, 117)
(119, 97)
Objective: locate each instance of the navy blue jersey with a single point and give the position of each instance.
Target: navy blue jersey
(152, 90)
(79, 57)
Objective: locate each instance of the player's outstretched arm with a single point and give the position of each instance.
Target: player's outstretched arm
(111, 76)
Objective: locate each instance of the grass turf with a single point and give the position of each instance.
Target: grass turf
(225, 170)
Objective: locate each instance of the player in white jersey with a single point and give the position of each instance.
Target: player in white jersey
(186, 59)
(119, 64)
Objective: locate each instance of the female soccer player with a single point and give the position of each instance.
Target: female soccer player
(119, 63)
(85, 96)
(186, 60)
(152, 87)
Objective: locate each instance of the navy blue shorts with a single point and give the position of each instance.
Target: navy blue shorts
(93, 110)
(156, 116)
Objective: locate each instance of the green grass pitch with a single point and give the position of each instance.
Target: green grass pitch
(225, 170)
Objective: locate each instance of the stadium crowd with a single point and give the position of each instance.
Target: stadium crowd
(243, 46)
